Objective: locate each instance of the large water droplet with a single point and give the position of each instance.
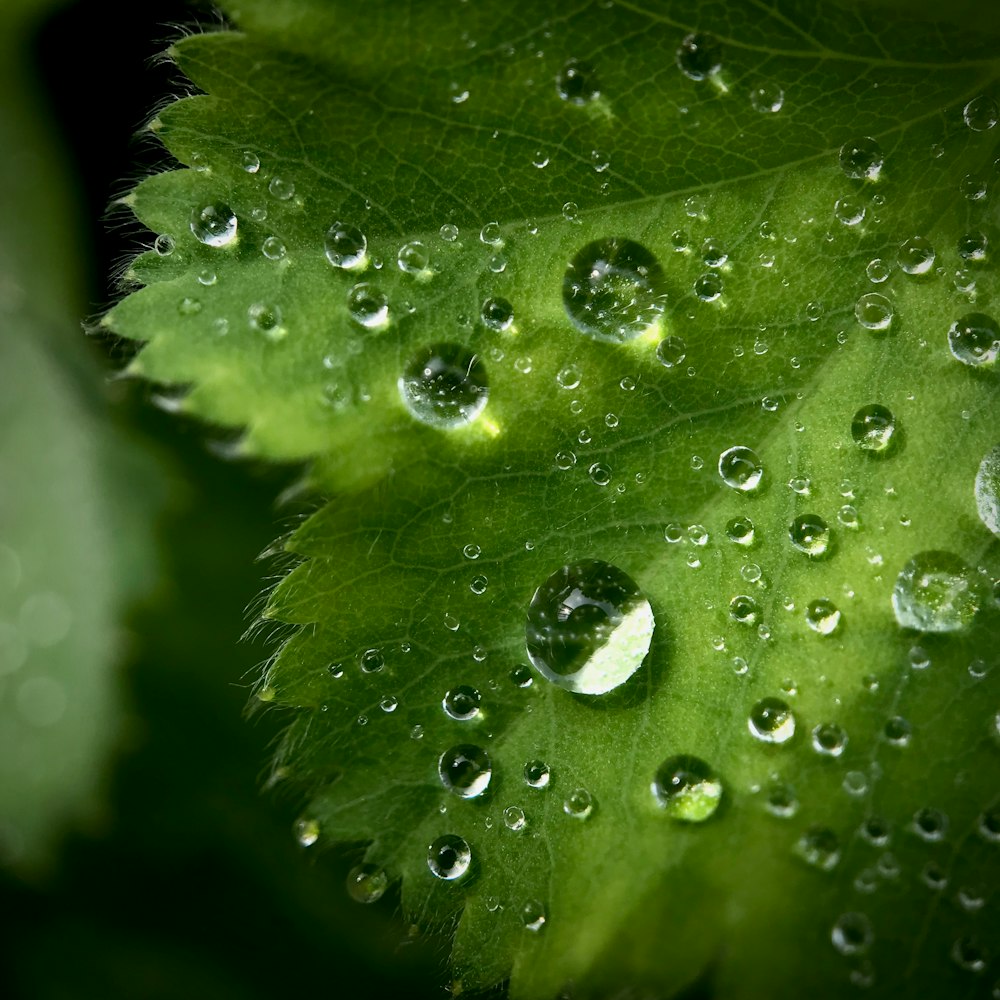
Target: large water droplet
(829, 739)
(579, 804)
(852, 934)
(873, 429)
(368, 306)
(445, 385)
(936, 592)
(975, 339)
(214, 225)
(497, 314)
(987, 490)
(822, 616)
(346, 246)
(533, 915)
(367, 883)
(465, 770)
(819, 846)
(577, 83)
(980, 113)
(874, 311)
(699, 56)
(589, 627)
(916, 255)
(861, 159)
(612, 289)
(687, 788)
(461, 703)
(771, 721)
(809, 534)
(449, 857)
(537, 774)
(740, 468)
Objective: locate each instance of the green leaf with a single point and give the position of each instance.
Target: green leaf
(75, 506)
(821, 159)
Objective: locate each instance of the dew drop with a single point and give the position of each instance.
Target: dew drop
(861, 159)
(611, 290)
(936, 591)
(577, 83)
(497, 314)
(250, 162)
(372, 661)
(975, 339)
(771, 721)
(579, 804)
(413, 258)
(767, 98)
(708, 286)
(897, 731)
(367, 883)
(987, 490)
(916, 255)
(741, 531)
(465, 770)
(461, 703)
(479, 584)
(444, 385)
(671, 351)
(980, 114)
(822, 616)
(588, 627)
(968, 955)
(600, 473)
(306, 832)
(699, 56)
(368, 306)
(849, 211)
(781, 800)
(930, 824)
(829, 739)
(687, 788)
(874, 311)
(819, 846)
(513, 818)
(265, 318)
(537, 774)
(740, 468)
(873, 429)
(521, 676)
(346, 246)
(744, 609)
(809, 534)
(852, 934)
(533, 915)
(449, 857)
(273, 248)
(214, 225)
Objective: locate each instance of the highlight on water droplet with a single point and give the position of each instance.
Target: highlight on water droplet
(214, 225)
(916, 255)
(829, 739)
(687, 788)
(444, 385)
(613, 290)
(740, 468)
(366, 883)
(346, 246)
(449, 857)
(588, 627)
(771, 721)
(465, 770)
(741, 531)
(936, 591)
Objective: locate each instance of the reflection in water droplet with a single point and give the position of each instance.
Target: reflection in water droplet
(214, 225)
(612, 290)
(936, 592)
(975, 339)
(740, 468)
(699, 56)
(771, 721)
(987, 490)
(873, 429)
(687, 788)
(577, 83)
(367, 883)
(465, 770)
(449, 857)
(861, 159)
(588, 627)
(444, 385)
(346, 246)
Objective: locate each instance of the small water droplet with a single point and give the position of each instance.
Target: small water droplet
(537, 774)
(699, 56)
(306, 832)
(744, 609)
(874, 311)
(980, 114)
(930, 824)
(281, 188)
(372, 661)
(449, 857)
(897, 731)
(577, 83)
(497, 314)
(465, 770)
(849, 211)
(461, 703)
(823, 616)
(819, 846)
(852, 934)
(588, 627)
(987, 490)
(366, 883)
(533, 915)
(579, 804)
(873, 429)
(708, 286)
(768, 98)
(809, 534)
(975, 339)
(741, 531)
(513, 818)
(250, 162)
(265, 318)
(916, 255)
(687, 788)
(214, 225)
(861, 159)
(829, 739)
(740, 468)
(346, 246)
(771, 721)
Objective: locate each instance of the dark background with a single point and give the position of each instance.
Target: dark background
(192, 885)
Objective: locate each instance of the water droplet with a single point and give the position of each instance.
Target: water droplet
(164, 244)
(448, 232)
(987, 490)
(565, 460)
(306, 832)
(497, 314)
(744, 609)
(819, 846)
(822, 616)
(687, 788)
(874, 311)
(465, 770)
(980, 113)
(367, 883)
(989, 825)
(264, 317)
(372, 661)
(513, 818)
(876, 831)
(671, 351)
(930, 824)
(207, 277)
(413, 258)
(741, 531)
(968, 954)
(771, 721)
(975, 339)
(479, 584)
(521, 676)
(346, 246)
(449, 857)
(916, 255)
(878, 271)
(708, 286)
(250, 162)
(461, 703)
(829, 739)
(781, 800)
(444, 385)
(897, 731)
(273, 248)
(768, 98)
(699, 56)
(571, 211)
(973, 188)
(873, 429)
(189, 307)
(740, 468)
(533, 915)
(935, 592)
(852, 934)
(588, 627)
(389, 703)
(849, 211)
(569, 377)
(579, 804)
(537, 774)
(809, 534)
(861, 159)
(368, 306)
(600, 473)
(577, 83)
(214, 225)
(934, 877)
(280, 188)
